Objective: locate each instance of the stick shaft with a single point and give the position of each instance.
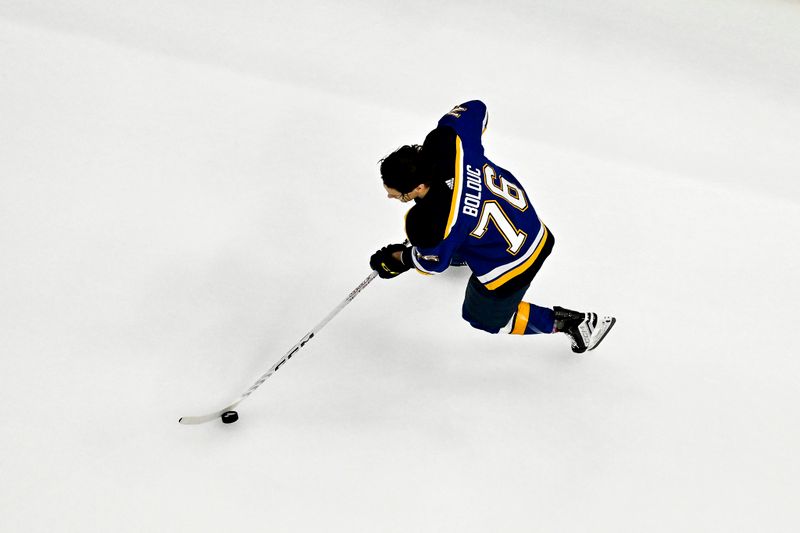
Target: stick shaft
(310, 335)
(288, 355)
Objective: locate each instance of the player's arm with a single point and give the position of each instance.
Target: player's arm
(394, 259)
(469, 119)
(431, 260)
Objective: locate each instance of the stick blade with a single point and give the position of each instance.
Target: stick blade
(202, 419)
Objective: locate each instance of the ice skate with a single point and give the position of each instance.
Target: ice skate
(585, 330)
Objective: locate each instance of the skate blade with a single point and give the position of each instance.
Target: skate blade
(606, 323)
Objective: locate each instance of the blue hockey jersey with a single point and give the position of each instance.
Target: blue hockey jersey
(492, 224)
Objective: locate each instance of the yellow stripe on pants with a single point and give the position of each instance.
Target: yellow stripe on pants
(521, 321)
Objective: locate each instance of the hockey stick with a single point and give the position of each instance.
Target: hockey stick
(307, 337)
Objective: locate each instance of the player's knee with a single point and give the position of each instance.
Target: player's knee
(477, 324)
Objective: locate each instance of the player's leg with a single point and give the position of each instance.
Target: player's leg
(531, 319)
(488, 311)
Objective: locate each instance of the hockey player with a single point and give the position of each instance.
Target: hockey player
(470, 211)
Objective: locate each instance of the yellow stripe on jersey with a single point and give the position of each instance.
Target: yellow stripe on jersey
(521, 268)
(521, 320)
(455, 203)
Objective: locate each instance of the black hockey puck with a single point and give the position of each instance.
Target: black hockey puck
(229, 417)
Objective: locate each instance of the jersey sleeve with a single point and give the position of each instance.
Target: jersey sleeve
(435, 259)
(469, 120)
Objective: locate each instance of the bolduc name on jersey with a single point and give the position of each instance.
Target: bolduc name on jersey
(472, 200)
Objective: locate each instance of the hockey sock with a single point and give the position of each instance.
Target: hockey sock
(531, 319)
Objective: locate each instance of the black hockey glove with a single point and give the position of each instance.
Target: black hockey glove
(386, 265)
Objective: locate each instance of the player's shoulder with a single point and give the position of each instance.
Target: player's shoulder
(439, 153)
(440, 137)
(426, 221)
(418, 228)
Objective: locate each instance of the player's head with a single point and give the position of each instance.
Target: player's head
(401, 172)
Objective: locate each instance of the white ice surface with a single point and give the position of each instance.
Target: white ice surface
(187, 187)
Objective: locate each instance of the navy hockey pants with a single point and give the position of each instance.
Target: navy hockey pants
(487, 311)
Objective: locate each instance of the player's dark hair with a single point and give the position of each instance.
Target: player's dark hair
(401, 170)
